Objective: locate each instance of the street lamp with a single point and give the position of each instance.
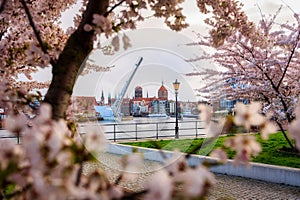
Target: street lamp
(176, 87)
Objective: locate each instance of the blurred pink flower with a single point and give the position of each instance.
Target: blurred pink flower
(115, 42)
(16, 123)
(248, 115)
(294, 131)
(94, 139)
(220, 154)
(175, 163)
(245, 146)
(159, 186)
(205, 113)
(126, 42)
(195, 181)
(132, 165)
(267, 128)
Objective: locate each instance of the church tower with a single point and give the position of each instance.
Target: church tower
(162, 92)
(109, 99)
(138, 92)
(102, 99)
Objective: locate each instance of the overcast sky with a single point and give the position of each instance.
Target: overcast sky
(164, 53)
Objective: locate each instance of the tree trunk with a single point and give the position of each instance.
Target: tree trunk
(65, 70)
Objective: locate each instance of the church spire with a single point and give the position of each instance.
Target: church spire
(102, 98)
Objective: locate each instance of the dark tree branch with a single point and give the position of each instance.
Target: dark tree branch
(2, 6)
(114, 7)
(279, 124)
(285, 136)
(36, 32)
(274, 86)
(79, 173)
(289, 61)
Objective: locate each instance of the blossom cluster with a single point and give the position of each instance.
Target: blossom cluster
(49, 161)
(48, 165)
(244, 145)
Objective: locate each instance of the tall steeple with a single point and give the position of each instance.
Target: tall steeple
(109, 99)
(102, 98)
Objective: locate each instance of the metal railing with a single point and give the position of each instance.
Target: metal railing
(139, 130)
(150, 130)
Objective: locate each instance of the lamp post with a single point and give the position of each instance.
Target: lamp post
(176, 87)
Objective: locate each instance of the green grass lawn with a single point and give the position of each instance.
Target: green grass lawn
(270, 149)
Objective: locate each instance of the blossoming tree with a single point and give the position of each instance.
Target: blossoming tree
(31, 36)
(262, 65)
(49, 163)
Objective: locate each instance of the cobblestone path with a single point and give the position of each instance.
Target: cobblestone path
(227, 187)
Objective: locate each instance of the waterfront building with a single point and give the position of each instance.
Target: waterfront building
(150, 105)
(189, 107)
(228, 102)
(160, 107)
(139, 108)
(138, 92)
(126, 106)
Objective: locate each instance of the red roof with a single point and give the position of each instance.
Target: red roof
(162, 88)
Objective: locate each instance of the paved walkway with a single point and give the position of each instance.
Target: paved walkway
(227, 187)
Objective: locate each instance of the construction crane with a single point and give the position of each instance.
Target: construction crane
(117, 104)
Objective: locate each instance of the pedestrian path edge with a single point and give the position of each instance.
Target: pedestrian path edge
(258, 171)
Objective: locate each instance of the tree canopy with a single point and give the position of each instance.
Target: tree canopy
(31, 36)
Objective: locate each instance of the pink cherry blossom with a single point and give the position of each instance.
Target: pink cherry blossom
(195, 180)
(245, 147)
(132, 165)
(267, 128)
(248, 115)
(176, 163)
(219, 154)
(205, 113)
(94, 139)
(159, 186)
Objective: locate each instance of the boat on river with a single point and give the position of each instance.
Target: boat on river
(158, 115)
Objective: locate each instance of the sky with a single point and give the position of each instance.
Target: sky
(164, 53)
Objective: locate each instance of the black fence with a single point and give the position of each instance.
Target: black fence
(151, 130)
(137, 130)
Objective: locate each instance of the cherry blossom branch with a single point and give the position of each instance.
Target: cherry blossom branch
(289, 60)
(36, 32)
(285, 107)
(279, 124)
(78, 178)
(114, 7)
